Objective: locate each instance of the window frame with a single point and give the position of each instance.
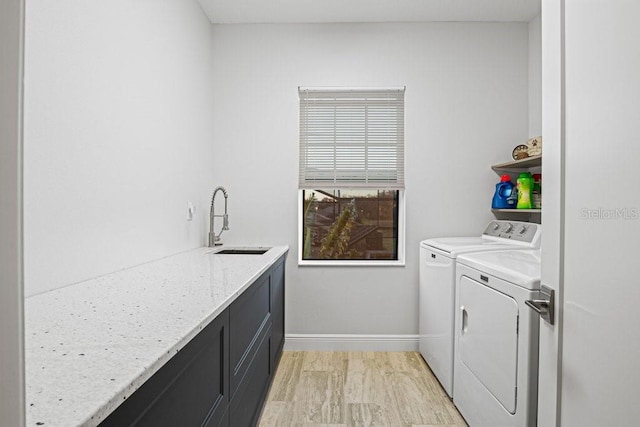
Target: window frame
(400, 262)
(397, 184)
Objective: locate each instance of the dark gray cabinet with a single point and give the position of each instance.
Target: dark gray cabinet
(277, 313)
(221, 377)
(191, 389)
(250, 324)
(257, 336)
(246, 403)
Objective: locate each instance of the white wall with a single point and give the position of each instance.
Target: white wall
(118, 135)
(535, 77)
(601, 339)
(466, 108)
(11, 299)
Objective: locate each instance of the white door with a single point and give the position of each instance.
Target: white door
(553, 185)
(601, 338)
(597, 234)
(11, 302)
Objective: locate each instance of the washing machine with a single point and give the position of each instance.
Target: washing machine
(437, 286)
(496, 344)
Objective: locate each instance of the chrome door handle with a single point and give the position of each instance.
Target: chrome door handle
(544, 306)
(540, 306)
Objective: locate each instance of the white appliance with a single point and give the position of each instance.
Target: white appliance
(437, 286)
(496, 349)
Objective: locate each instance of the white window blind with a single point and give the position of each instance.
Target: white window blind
(351, 138)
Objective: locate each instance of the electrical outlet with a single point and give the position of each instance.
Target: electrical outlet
(191, 211)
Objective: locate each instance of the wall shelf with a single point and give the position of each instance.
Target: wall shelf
(513, 168)
(519, 165)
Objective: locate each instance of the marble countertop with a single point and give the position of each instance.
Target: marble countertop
(90, 345)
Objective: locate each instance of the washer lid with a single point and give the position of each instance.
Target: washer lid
(521, 267)
(459, 245)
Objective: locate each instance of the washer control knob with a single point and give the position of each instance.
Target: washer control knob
(509, 228)
(496, 226)
(523, 229)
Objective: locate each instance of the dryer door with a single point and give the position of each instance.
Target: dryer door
(488, 339)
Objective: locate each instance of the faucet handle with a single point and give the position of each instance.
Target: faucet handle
(225, 222)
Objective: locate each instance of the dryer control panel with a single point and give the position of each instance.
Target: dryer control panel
(527, 233)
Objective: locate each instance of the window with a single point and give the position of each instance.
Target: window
(351, 176)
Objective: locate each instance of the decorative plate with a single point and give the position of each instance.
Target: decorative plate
(534, 146)
(520, 152)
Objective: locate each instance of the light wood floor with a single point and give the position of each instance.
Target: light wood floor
(356, 389)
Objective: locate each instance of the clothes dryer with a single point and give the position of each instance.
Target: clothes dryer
(496, 345)
(437, 286)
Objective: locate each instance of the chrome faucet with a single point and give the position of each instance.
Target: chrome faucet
(213, 239)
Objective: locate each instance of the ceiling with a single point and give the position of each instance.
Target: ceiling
(322, 11)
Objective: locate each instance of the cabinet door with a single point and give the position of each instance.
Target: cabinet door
(191, 388)
(222, 421)
(277, 313)
(247, 403)
(249, 317)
